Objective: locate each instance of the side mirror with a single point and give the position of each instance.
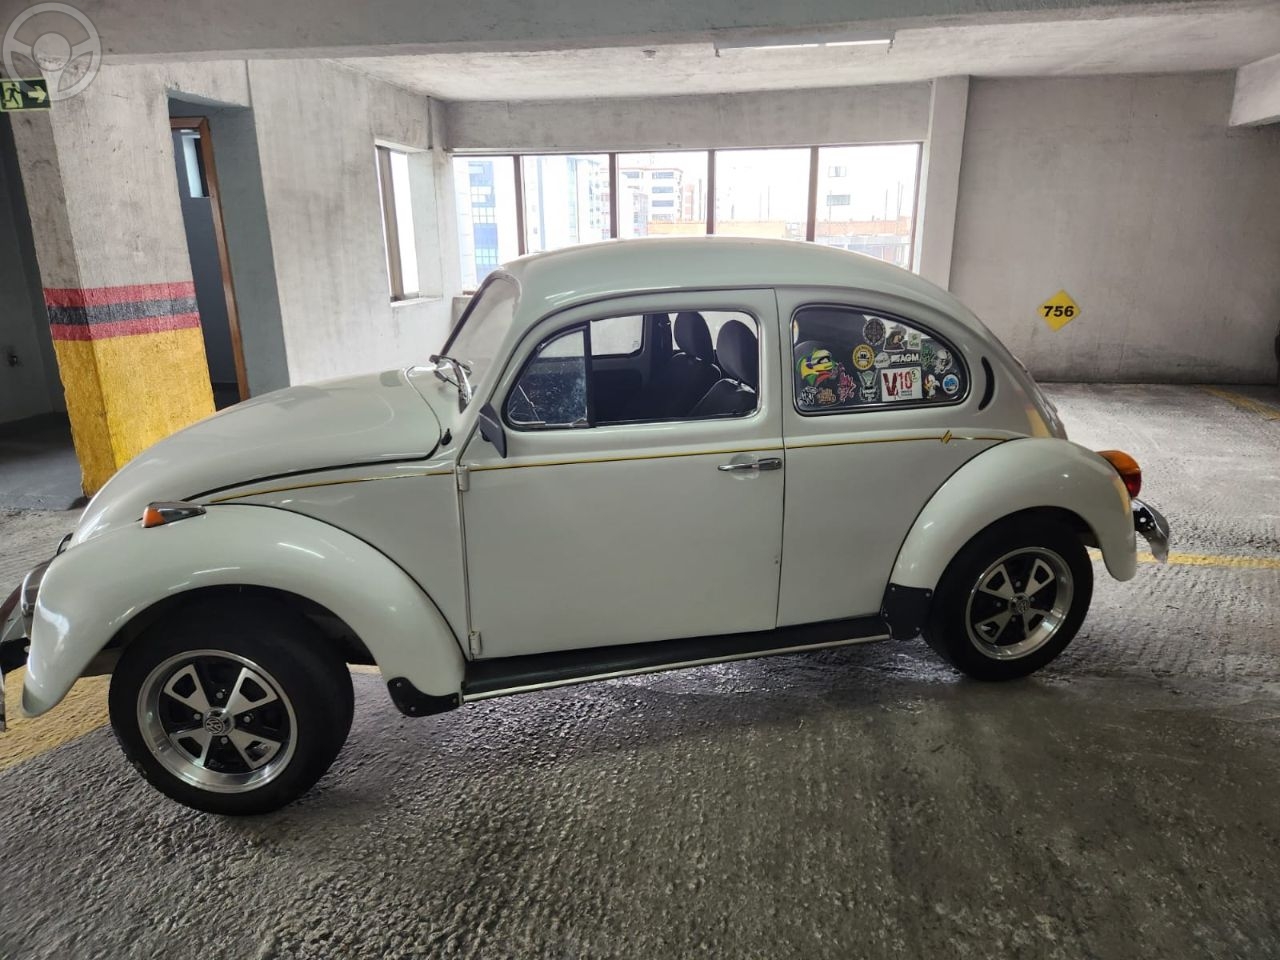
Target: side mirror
(491, 429)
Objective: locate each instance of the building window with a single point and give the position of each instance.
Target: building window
(874, 210)
(566, 200)
(486, 200)
(397, 222)
(666, 194)
(762, 193)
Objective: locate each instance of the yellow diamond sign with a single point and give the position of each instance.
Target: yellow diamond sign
(1059, 310)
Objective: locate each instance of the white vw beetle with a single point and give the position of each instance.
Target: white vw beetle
(631, 456)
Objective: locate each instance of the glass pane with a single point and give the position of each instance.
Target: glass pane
(552, 391)
(845, 359)
(762, 193)
(566, 200)
(404, 222)
(662, 194)
(866, 199)
(486, 201)
(617, 336)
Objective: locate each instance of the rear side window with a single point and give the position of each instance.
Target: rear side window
(847, 359)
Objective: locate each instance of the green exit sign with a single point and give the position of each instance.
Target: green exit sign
(18, 95)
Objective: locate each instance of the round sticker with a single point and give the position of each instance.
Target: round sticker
(950, 383)
(882, 359)
(873, 331)
(863, 357)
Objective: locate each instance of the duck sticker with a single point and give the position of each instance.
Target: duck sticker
(816, 366)
(826, 382)
(930, 386)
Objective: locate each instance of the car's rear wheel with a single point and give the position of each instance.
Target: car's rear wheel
(1012, 599)
(231, 715)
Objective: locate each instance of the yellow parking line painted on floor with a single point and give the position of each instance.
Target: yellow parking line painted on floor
(84, 709)
(1205, 560)
(1264, 410)
(1213, 560)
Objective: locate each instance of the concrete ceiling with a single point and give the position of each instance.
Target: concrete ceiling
(1198, 37)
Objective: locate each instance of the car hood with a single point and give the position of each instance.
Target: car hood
(370, 419)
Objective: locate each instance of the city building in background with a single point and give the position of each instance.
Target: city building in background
(864, 201)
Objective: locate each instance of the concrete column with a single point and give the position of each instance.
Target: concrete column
(940, 178)
(109, 239)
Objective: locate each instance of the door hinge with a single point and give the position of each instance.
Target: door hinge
(473, 644)
(464, 477)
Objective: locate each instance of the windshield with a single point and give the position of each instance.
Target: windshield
(478, 336)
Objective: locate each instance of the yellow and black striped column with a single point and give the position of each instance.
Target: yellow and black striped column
(134, 356)
(107, 223)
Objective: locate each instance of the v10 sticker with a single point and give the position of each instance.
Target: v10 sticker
(901, 383)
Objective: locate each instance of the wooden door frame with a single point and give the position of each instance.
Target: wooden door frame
(201, 126)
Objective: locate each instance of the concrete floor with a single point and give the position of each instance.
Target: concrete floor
(38, 466)
(862, 803)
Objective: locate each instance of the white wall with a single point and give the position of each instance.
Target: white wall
(770, 119)
(317, 124)
(1134, 195)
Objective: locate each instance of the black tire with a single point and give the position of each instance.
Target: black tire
(990, 651)
(300, 689)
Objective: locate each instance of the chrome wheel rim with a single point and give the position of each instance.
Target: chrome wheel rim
(1019, 603)
(217, 721)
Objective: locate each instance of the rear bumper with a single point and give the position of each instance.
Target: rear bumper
(15, 627)
(1149, 522)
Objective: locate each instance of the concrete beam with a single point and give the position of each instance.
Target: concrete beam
(940, 178)
(136, 30)
(775, 118)
(1257, 95)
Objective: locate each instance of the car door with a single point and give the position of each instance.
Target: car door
(881, 408)
(592, 533)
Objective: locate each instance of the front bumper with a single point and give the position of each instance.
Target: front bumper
(1149, 522)
(15, 626)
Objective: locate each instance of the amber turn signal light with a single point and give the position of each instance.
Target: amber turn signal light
(1127, 467)
(158, 514)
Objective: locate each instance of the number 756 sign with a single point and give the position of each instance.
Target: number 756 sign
(1059, 310)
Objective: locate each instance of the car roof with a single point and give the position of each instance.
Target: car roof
(588, 272)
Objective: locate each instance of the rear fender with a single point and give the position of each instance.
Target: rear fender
(1024, 474)
(93, 590)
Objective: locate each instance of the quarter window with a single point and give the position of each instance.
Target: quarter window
(552, 391)
(849, 359)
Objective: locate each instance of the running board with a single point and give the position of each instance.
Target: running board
(503, 676)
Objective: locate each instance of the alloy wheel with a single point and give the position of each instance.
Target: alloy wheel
(217, 720)
(1019, 603)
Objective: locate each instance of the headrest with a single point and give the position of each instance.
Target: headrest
(693, 336)
(738, 353)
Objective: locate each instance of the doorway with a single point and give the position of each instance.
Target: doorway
(210, 261)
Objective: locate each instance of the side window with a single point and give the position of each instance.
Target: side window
(552, 390)
(848, 359)
(641, 368)
(617, 336)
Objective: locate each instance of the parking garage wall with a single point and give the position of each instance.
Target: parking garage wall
(1135, 196)
(317, 124)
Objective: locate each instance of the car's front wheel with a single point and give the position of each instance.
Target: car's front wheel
(1012, 599)
(231, 715)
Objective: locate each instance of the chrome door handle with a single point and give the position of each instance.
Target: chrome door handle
(752, 466)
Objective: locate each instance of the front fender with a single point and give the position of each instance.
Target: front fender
(1019, 475)
(94, 589)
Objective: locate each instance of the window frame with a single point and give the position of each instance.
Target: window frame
(879, 406)
(592, 423)
(391, 223)
(617, 178)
